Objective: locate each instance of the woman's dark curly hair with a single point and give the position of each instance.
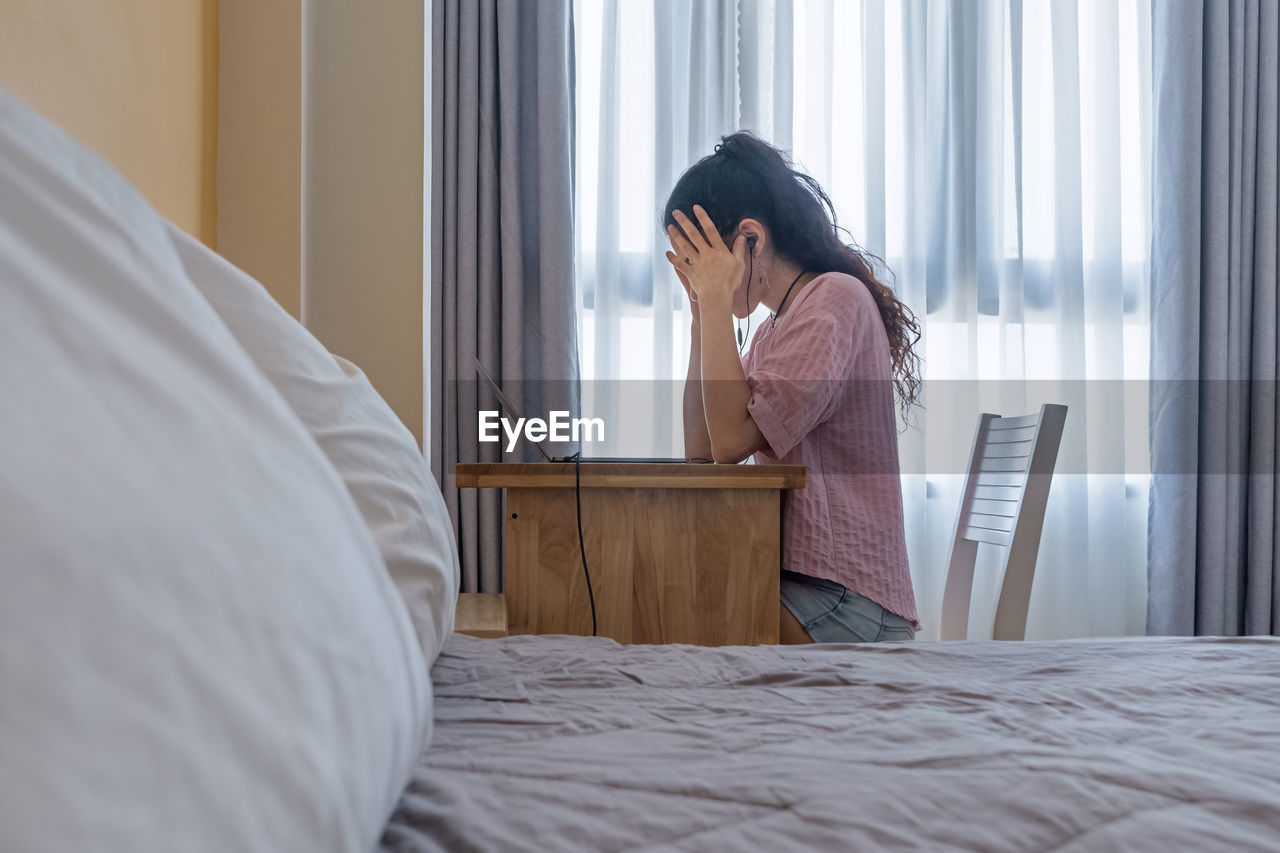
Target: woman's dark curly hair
(747, 178)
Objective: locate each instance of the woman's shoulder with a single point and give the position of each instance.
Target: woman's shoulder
(841, 295)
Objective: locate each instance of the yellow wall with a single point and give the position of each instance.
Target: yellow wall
(136, 80)
(260, 143)
(314, 189)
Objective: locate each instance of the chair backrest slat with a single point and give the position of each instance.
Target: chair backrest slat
(1006, 436)
(1021, 422)
(991, 522)
(1003, 463)
(991, 537)
(1003, 508)
(999, 479)
(998, 493)
(1010, 469)
(1013, 448)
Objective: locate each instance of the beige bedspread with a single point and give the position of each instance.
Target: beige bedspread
(571, 743)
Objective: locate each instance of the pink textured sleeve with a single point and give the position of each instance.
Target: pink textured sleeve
(795, 385)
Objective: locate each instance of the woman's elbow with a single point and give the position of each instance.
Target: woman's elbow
(724, 457)
(731, 450)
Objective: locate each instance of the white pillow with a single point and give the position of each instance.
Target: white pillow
(200, 648)
(374, 453)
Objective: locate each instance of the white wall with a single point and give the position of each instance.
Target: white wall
(342, 246)
(363, 184)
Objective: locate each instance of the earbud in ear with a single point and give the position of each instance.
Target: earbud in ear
(751, 241)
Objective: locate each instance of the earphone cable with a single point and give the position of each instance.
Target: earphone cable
(582, 548)
(742, 339)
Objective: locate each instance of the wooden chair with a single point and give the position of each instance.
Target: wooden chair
(1010, 469)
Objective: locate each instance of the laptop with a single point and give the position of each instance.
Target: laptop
(513, 412)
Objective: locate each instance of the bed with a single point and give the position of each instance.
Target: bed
(227, 587)
(559, 743)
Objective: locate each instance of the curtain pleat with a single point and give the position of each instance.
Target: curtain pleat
(1214, 510)
(689, 53)
(502, 241)
(873, 100)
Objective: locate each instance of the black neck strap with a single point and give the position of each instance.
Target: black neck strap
(787, 294)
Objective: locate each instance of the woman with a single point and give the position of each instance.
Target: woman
(816, 388)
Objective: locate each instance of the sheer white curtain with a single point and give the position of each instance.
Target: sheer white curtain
(995, 153)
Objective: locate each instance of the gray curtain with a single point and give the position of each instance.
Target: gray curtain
(1213, 552)
(502, 287)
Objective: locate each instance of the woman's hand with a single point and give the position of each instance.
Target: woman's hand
(688, 291)
(710, 270)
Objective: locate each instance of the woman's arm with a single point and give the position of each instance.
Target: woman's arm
(733, 432)
(713, 274)
(697, 441)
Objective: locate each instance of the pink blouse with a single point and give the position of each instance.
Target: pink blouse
(822, 395)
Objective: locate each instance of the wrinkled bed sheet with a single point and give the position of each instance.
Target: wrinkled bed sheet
(564, 743)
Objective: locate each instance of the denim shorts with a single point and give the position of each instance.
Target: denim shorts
(831, 613)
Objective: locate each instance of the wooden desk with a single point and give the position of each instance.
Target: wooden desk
(677, 553)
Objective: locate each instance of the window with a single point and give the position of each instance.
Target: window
(995, 155)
